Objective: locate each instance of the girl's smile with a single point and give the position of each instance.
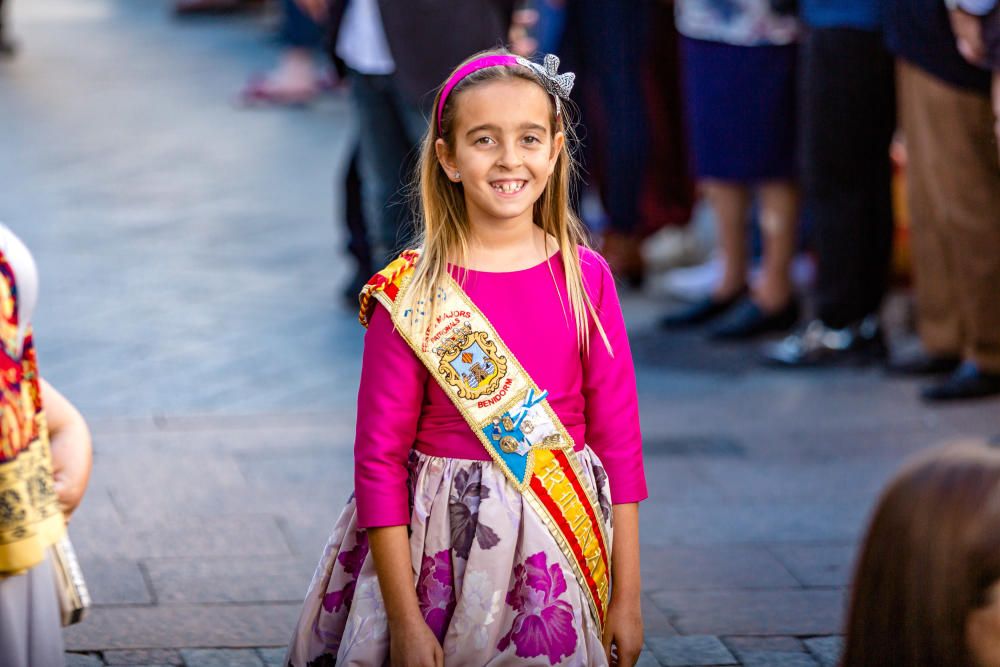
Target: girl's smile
(508, 188)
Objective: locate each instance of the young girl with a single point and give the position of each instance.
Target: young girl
(45, 461)
(498, 433)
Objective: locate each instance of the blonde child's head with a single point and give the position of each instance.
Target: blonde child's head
(499, 146)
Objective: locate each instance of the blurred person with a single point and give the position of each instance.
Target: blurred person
(355, 221)
(634, 153)
(296, 80)
(739, 63)
(605, 42)
(395, 54)
(926, 590)
(991, 35)
(45, 460)
(846, 123)
(977, 28)
(953, 189)
(6, 44)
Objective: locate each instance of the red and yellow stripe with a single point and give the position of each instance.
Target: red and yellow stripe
(558, 488)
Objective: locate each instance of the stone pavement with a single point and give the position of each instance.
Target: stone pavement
(190, 268)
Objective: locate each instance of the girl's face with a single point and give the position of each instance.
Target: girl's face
(504, 149)
(983, 631)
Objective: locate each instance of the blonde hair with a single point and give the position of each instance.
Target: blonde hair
(443, 226)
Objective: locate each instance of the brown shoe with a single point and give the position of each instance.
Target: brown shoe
(623, 256)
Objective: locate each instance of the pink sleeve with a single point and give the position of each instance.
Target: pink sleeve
(612, 405)
(389, 403)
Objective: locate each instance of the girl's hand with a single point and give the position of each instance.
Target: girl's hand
(623, 627)
(412, 644)
(623, 631)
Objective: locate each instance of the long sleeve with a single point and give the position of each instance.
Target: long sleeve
(389, 402)
(612, 405)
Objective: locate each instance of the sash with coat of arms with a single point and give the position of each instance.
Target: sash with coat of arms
(507, 412)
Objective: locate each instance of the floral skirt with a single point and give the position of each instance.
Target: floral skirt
(491, 581)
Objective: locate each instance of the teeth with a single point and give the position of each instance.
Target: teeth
(509, 187)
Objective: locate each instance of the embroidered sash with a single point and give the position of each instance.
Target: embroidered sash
(30, 519)
(507, 411)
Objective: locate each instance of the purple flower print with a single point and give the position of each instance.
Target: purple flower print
(436, 592)
(351, 561)
(543, 624)
(463, 511)
(600, 479)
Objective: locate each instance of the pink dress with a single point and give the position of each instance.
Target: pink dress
(491, 582)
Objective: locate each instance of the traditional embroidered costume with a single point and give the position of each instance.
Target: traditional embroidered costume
(30, 518)
(472, 434)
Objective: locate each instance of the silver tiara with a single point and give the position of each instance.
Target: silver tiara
(559, 85)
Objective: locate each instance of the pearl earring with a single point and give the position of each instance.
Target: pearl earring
(458, 176)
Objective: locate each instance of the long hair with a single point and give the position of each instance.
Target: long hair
(930, 556)
(443, 222)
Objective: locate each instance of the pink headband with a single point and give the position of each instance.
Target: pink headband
(467, 69)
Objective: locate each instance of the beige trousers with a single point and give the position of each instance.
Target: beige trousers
(953, 177)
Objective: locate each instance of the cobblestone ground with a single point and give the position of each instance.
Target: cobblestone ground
(190, 268)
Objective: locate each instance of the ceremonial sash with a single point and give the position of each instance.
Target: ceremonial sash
(506, 410)
(30, 518)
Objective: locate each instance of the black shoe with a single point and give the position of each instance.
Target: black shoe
(700, 312)
(819, 345)
(921, 363)
(966, 382)
(748, 320)
(8, 48)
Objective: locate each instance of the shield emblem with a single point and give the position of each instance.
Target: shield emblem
(470, 363)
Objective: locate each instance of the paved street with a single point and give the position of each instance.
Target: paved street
(191, 268)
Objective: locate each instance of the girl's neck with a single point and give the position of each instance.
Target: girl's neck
(509, 246)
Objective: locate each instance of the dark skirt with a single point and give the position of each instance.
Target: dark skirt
(740, 110)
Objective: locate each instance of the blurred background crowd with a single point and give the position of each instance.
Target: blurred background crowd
(773, 166)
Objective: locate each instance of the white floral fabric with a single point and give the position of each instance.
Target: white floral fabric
(491, 582)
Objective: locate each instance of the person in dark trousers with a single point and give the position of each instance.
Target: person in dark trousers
(847, 119)
(626, 57)
(604, 43)
(395, 54)
(953, 180)
(6, 45)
